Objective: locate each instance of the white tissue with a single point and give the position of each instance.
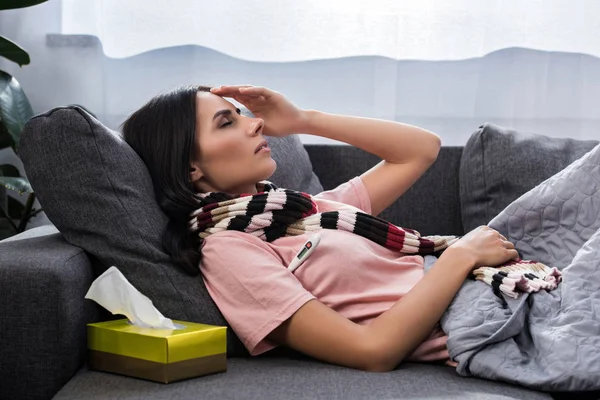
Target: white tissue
(114, 292)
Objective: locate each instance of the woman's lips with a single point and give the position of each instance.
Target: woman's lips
(267, 149)
(262, 146)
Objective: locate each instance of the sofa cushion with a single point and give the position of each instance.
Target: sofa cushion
(431, 206)
(296, 379)
(498, 165)
(98, 193)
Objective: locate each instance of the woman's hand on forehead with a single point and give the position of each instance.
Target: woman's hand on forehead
(281, 117)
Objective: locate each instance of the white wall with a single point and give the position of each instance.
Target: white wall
(553, 93)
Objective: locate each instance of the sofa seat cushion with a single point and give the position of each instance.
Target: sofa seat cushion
(289, 378)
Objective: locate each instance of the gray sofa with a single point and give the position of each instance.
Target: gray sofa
(76, 165)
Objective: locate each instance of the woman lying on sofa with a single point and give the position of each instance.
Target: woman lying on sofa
(362, 299)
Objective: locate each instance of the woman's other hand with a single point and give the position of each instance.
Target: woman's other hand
(281, 117)
(486, 246)
(433, 349)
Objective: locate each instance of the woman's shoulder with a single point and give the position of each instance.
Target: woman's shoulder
(352, 193)
(232, 243)
(232, 235)
(229, 233)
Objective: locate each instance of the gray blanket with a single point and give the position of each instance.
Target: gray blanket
(547, 340)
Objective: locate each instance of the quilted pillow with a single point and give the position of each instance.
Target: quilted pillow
(498, 165)
(97, 191)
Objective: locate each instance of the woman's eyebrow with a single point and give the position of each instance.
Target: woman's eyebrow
(221, 112)
(225, 112)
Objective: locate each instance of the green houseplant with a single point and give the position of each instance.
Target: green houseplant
(15, 111)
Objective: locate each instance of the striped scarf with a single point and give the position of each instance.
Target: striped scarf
(276, 212)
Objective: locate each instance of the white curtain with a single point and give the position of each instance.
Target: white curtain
(288, 31)
(448, 66)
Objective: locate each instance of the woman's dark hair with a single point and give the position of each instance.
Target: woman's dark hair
(162, 132)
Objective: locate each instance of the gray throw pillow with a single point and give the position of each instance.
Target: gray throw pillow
(97, 191)
(498, 165)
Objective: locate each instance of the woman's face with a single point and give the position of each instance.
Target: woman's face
(226, 144)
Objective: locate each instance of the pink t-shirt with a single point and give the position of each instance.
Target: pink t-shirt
(249, 281)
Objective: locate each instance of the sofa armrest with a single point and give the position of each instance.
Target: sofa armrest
(43, 315)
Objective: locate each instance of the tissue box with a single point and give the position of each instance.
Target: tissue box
(160, 355)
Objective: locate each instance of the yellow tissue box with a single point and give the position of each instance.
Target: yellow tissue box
(161, 355)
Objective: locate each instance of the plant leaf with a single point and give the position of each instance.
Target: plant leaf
(15, 208)
(11, 4)
(13, 52)
(6, 230)
(5, 139)
(15, 109)
(20, 185)
(9, 171)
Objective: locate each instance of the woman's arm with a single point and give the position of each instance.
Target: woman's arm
(392, 141)
(407, 151)
(380, 346)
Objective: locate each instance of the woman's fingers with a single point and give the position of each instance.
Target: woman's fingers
(256, 91)
(435, 355)
(431, 350)
(256, 99)
(249, 100)
(507, 244)
(226, 91)
(510, 247)
(246, 90)
(228, 88)
(500, 235)
(437, 332)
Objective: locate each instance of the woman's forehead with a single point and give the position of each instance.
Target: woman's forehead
(209, 104)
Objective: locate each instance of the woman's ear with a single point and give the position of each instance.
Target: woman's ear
(195, 173)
